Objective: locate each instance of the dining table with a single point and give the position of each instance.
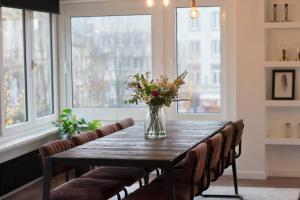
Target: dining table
(130, 148)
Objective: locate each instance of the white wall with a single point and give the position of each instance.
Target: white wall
(250, 85)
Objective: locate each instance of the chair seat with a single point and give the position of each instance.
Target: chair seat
(127, 176)
(156, 191)
(86, 189)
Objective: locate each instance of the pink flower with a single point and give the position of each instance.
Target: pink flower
(154, 93)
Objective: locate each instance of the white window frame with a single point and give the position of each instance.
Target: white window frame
(106, 8)
(170, 57)
(32, 122)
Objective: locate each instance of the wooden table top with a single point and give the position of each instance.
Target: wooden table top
(131, 145)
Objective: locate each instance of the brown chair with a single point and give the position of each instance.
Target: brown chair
(126, 123)
(213, 167)
(87, 189)
(127, 176)
(228, 134)
(220, 160)
(106, 130)
(236, 144)
(83, 138)
(185, 181)
(52, 148)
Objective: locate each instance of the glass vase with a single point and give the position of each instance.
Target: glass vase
(155, 123)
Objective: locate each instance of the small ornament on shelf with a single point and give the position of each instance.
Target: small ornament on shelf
(275, 12)
(298, 54)
(298, 133)
(286, 13)
(288, 130)
(284, 54)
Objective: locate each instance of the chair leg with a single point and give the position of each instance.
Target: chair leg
(146, 178)
(222, 196)
(67, 177)
(237, 196)
(234, 173)
(140, 183)
(157, 172)
(125, 192)
(119, 196)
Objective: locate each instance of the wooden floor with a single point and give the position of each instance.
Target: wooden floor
(34, 192)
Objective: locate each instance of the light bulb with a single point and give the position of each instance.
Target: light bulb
(194, 13)
(150, 3)
(166, 2)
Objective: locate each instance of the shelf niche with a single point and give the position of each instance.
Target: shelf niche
(294, 14)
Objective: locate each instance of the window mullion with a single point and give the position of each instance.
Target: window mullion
(29, 68)
(2, 122)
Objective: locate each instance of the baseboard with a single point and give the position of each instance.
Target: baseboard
(20, 188)
(284, 173)
(256, 175)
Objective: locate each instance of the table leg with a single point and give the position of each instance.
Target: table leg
(170, 190)
(47, 179)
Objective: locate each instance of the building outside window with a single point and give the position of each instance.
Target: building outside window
(100, 69)
(205, 91)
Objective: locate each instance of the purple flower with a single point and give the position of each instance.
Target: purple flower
(154, 93)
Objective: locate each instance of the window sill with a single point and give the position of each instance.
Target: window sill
(19, 144)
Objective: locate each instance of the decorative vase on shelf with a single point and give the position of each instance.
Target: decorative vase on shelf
(155, 123)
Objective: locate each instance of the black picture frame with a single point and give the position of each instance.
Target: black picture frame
(278, 86)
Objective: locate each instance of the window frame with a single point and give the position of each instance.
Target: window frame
(171, 53)
(32, 122)
(102, 9)
(39, 121)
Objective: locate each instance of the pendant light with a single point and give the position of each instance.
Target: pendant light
(194, 13)
(150, 3)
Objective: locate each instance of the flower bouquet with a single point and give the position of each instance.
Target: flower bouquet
(156, 94)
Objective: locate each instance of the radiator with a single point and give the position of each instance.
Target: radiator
(19, 171)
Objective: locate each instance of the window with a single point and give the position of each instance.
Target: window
(15, 94)
(195, 24)
(105, 52)
(215, 48)
(215, 19)
(204, 93)
(42, 58)
(28, 91)
(215, 70)
(195, 48)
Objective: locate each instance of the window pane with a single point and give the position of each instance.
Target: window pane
(105, 51)
(14, 66)
(42, 58)
(199, 53)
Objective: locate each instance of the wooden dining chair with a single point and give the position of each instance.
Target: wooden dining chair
(126, 123)
(106, 130)
(185, 181)
(52, 148)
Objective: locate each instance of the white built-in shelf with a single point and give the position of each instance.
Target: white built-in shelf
(282, 64)
(282, 141)
(282, 103)
(282, 25)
